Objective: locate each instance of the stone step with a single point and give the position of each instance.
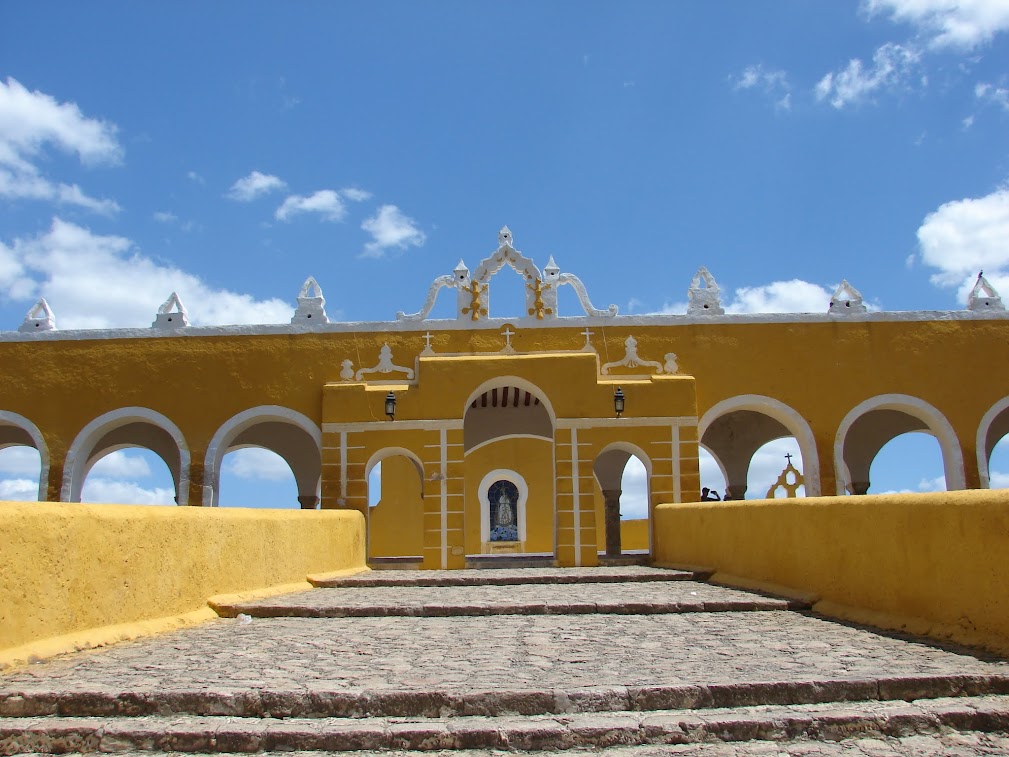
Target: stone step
(650, 598)
(514, 576)
(321, 702)
(510, 561)
(830, 722)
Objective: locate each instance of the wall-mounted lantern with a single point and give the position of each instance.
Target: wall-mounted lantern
(618, 401)
(390, 406)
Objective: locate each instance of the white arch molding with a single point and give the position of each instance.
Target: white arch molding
(938, 426)
(515, 381)
(8, 418)
(983, 461)
(786, 416)
(720, 464)
(235, 425)
(520, 507)
(635, 451)
(78, 463)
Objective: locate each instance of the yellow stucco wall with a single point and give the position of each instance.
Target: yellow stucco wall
(633, 534)
(927, 563)
(396, 523)
(67, 568)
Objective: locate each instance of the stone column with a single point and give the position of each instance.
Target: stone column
(736, 491)
(611, 517)
(859, 487)
(308, 501)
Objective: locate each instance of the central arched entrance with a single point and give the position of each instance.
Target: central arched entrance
(508, 445)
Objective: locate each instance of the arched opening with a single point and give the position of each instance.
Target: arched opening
(395, 508)
(24, 459)
(20, 473)
(874, 423)
(293, 437)
(253, 476)
(128, 476)
(128, 428)
(734, 430)
(622, 472)
(992, 452)
(712, 475)
(910, 462)
(508, 426)
(772, 462)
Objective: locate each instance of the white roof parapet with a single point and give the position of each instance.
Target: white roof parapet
(311, 304)
(704, 295)
(39, 318)
(169, 319)
(846, 300)
(983, 296)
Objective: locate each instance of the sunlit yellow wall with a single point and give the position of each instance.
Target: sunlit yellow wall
(71, 567)
(936, 563)
(633, 534)
(533, 460)
(396, 523)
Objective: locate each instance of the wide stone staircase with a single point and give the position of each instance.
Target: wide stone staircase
(627, 660)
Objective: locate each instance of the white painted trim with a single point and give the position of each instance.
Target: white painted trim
(786, 416)
(8, 418)
(982, 433)
(379, 425)
(520, 383)
(636, 451)
(721, 466)
(677, 488)
(76, 464)
(505, 474)
(489, 324)
(235, 425)
(576, 498)
(684, 420)
(387, 452)
(547, 439)
(938, 426)
(443, 438)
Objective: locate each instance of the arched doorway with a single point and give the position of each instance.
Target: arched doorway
(994, 427)
(622, 472)
(395, 507)
(874, 422)
(508, 436)
(25, 473)
(253, 476)
(287, 433)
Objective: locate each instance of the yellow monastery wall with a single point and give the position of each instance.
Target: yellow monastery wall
(935, 564)
(396, 523)
(533, 460)
(76, 575)
(633, 534)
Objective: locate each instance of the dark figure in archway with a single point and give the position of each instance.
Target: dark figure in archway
(708, 495)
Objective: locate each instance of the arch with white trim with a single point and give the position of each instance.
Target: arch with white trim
(18, 431)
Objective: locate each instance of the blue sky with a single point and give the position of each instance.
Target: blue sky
(229, 150)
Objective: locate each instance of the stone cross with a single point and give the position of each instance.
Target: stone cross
(508, 334)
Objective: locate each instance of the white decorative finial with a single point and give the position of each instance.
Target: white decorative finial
(983, 296)
(39, 318)
(504, 237)
(846, 300)
(704, 295)
(551, 271)
(311, 304)
(172, 314)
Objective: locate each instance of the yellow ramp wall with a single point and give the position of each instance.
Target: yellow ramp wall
(935, 564)
(70, 568)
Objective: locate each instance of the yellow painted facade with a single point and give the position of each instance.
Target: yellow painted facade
(519, 410)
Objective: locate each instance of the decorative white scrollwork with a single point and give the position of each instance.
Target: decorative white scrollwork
(632, 359)
(166, 318)
(385, 365)
(983, 296)
(846, 300)
(40, 318)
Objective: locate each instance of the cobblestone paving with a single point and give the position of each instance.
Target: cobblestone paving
(644, 597)
(600, 574)
(497, 652)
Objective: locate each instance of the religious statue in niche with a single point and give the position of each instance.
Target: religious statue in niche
(503, 497)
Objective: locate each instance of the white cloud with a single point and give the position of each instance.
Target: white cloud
(965, 236)
(892, 67)
(326, 202)
(998, 480)
(164, 216)
(795, 296)
(767, 464)
(949, 23)
(257, 463)
(937, 484)
(120, 465)
(992, 94)
(19, 489)
(20, 461)
(389, 228)
(634, 490)
(105, 491)
(94, 281)
(195, 177)
(254, 185)
(355, 195)
(773, 83)
(33, 121)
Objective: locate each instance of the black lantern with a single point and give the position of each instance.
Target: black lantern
(390, 406)
(618, 401)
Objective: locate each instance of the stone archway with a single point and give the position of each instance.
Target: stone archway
(609, 468)
(395, 517)
(18, 431)
(993, 427)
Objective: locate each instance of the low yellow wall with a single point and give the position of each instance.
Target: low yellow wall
(633, 534)
(935, 564)
(70, 568)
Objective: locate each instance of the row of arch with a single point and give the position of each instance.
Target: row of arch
(298, 440)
